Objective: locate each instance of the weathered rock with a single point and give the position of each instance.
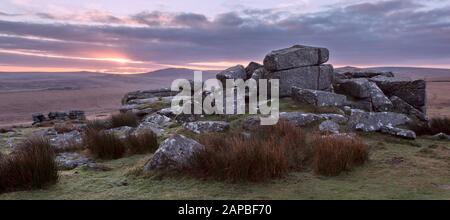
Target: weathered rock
(72, 160)
(58, 116)
(158, 130)
(363, 104)
(38, 117)
(158, 119)
(200, 127)
(358, 88)
(251, 68)
(165, 92)
(309, 77)
(329, 127)
(379, 101)
(121, 132)
(334, 117)
(300, 118)
(259, 74)
(398, 132)
(235, 72)
(296, 56)
(77, 115)
(317, 98)
(441, 136)
(401, 106)
(368, 96)
(65, 141)
(373, 121)
(411, 91)
(173, 153)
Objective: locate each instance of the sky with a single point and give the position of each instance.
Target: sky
(135, 36)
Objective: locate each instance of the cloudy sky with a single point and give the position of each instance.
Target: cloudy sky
(142, 35)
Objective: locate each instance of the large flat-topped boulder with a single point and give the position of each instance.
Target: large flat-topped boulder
(294, 57)
(411, 91)
(309, 77)
(235, 72)
(317, 98)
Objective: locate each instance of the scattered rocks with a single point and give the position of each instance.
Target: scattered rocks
(201, 127)
(317, 98)
(65, 141)
(173, 153)
(58, 116)
(398, 132)
(329, 127)
(294, 57)
(77, 115)
(74, 116)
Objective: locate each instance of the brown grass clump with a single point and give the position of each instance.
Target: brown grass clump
(31, 165)
(98, 124)
(143, 142)
(103, 145)
(334, 154)
(269, 153)
(124, 119)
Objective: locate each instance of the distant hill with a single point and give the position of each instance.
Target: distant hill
(175, 73)
(430, 74)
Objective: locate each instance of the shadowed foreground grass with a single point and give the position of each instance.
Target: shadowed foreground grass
(397, 169)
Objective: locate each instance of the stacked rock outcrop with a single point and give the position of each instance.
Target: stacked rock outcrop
(300, 66)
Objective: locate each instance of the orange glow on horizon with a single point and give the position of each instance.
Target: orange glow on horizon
(43, 54)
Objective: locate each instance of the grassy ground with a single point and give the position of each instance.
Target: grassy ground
(398, 169)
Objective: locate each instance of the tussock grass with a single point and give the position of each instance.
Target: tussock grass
(124, 119)
(335, 154)
(104, 145)
(31, 165)
(270, 153)
(143, 142)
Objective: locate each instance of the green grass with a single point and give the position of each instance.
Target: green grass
(420, 176)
